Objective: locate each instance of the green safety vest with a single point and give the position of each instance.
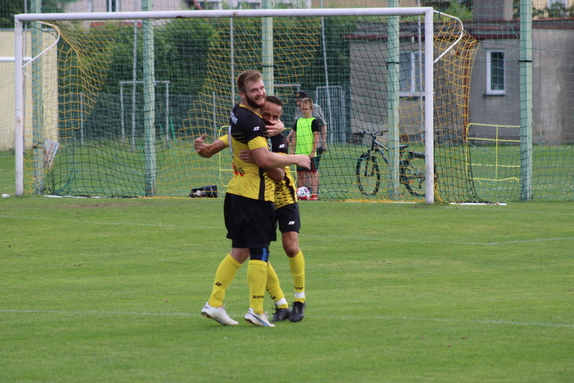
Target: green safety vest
(305, 136)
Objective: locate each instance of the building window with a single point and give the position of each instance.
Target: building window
(411, 74)
(495, 72)
(249, 4)
(112, 5)
(227, 4)
(204, 4)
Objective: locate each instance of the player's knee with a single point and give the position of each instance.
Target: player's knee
(291, 249)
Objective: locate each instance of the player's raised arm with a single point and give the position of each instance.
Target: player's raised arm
(208, 150)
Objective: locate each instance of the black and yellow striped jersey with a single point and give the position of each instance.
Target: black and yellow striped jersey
(285, 191)
(247, 132)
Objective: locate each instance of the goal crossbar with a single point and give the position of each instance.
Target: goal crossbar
(427, 12)
(411, 11)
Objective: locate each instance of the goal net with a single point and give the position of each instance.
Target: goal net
(111, 103)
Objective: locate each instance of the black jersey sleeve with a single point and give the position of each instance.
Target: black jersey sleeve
(279, 144)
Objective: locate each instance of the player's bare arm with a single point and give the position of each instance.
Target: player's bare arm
(276, 174)
(315, 144)
(266, 159)
(207, 150)
(292, 139)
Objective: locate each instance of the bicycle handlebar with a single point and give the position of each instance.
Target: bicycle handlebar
(372, 134)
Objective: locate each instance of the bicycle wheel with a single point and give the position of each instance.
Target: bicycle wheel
(368, 175)
(412, 173)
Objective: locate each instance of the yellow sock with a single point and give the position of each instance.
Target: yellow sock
(274, 288)
(257, 280)
(297, 266)
(223, 277)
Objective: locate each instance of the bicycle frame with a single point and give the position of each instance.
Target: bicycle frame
(410, 176)
(378, 146)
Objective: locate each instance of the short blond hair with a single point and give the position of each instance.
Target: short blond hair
(247, 76)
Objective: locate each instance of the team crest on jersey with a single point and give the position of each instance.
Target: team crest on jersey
(238, 171)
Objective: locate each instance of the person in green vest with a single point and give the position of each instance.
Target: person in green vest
(304, 139)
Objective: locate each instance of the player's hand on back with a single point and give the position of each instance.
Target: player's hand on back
(246, 156)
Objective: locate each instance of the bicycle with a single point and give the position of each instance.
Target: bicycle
(411, 167)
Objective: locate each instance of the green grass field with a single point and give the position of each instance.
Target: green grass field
(110, 290)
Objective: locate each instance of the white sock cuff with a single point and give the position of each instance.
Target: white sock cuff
(281, 301)
(300, 295)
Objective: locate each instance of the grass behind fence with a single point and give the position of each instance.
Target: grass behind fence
(495, 172)
(100, 290)
(497, 175)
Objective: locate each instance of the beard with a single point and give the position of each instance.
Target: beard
(257, 104)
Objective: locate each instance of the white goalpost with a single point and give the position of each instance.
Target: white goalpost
(152, 182)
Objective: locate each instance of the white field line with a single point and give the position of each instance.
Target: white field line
(117, 223)
(493, 210)
(378, 239)
(345, 317)
(409, 240)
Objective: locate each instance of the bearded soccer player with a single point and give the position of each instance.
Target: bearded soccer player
(286, 210)
(249, 203)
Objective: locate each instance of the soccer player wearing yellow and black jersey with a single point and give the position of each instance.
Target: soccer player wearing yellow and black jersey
(286, 213)
(249, 203)
(289, 221)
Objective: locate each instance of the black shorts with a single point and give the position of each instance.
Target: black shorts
(249, 222)
(288, 218)
(314, 166)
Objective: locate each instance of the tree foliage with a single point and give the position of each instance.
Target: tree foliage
(9, 8)
(180, 46)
